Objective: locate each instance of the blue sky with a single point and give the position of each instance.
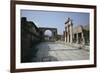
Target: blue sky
(55, 19)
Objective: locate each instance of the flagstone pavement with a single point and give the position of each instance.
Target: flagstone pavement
(55, 51)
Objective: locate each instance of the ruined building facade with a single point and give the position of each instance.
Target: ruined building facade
(30, 36)
(78, 35)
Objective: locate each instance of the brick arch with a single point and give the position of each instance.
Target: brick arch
(53, 30)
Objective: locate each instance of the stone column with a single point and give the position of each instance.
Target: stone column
(71, 33)
(83, 40)
(69, 27)
(67, 34)
(77, 38)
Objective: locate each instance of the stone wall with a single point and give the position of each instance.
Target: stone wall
(30, 36)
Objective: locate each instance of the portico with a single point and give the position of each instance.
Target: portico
(68, 31)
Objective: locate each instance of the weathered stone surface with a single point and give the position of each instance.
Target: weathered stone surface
(50, 51)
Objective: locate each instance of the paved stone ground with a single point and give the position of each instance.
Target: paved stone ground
(54, 51)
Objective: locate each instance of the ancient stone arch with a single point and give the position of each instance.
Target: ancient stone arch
(53, 30)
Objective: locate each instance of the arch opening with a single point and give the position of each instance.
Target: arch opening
(48, 34)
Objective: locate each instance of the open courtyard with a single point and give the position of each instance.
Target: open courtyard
(59, 51)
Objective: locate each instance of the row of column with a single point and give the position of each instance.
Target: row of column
(69, 34)
(79, 39)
